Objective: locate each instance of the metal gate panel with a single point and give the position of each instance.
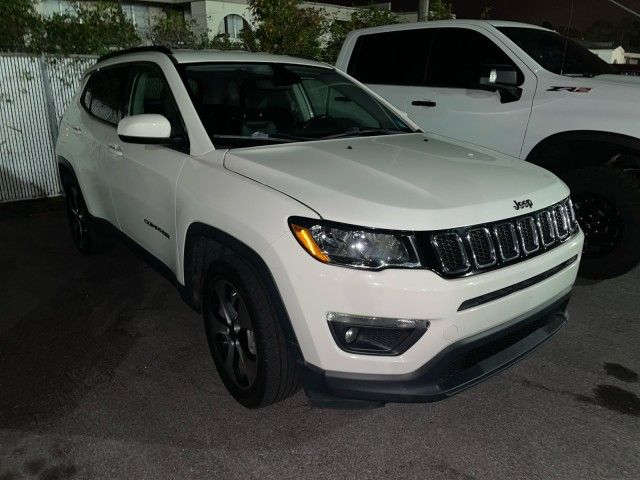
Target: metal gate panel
(29, 116)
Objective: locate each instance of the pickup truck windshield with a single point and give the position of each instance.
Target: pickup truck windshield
(249, 104)
(556, 53)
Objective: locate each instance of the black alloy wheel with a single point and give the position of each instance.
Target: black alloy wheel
(601, 222)
(234, 341)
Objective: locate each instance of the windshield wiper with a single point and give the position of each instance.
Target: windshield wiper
(357, 132)
(581, 75)
(260, 138)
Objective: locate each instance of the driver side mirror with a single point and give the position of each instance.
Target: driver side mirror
(502, 79)
(146, 128)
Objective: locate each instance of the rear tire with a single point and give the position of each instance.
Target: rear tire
(607, 203)
(247, 344)
(85, 237)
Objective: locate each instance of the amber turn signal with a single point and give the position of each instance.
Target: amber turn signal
(309, 244)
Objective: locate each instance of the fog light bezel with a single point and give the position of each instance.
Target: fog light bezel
(339, 323)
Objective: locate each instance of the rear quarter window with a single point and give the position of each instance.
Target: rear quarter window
(104, 93)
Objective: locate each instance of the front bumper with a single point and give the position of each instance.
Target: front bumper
(310, 290)
(457, 367)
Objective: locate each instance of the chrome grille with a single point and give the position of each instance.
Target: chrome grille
(473, 249)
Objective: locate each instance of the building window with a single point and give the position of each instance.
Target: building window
(233, 25)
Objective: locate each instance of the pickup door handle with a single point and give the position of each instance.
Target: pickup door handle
(115, 149)
(423, 103)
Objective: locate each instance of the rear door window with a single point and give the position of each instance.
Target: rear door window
(104, 93)
(457, 56)
(392, 58)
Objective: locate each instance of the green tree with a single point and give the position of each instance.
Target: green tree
(94, 28)
(19, 19)
(284, 27)
(371, 16)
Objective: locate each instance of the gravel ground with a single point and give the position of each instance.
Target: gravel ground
(105, 373)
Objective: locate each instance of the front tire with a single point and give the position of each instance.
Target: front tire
(246, 341)
(607, 203)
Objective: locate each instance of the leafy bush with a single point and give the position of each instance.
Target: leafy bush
(94, 28)
(18, 21)
(371, 16)
(284, 27)
(440, 10)
(174, 31)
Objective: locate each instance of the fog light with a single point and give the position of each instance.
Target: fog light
(375, 335)
(350, 335)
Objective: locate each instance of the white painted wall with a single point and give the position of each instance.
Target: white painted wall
(610, 55)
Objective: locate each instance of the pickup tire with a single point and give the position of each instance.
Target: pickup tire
(607, 203)
(246, 341)
(83, 232)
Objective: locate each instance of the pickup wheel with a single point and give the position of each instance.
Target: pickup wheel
(83, 233)
(607, 204)
(247, 344)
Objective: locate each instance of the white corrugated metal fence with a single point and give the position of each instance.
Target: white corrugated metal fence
(34, 91)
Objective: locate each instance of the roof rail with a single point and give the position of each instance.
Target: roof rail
(151, 48)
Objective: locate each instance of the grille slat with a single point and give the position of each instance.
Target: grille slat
(546, 228)
(507, 240)
(451, 251)
(562, 221)
(528, 235)
(482, 249)
(468, 250)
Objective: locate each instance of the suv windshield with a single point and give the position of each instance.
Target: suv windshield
(247, 104)
(556, 53)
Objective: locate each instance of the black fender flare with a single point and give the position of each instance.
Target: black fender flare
(196, 262)
(595, 144)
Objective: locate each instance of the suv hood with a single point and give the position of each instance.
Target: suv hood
(405, 182)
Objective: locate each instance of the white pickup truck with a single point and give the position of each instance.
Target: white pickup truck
(527, 92)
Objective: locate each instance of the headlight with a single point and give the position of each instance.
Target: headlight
(354, 246)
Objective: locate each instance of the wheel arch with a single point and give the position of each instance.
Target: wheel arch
(205, 245)
(65, 169)
(570, 150)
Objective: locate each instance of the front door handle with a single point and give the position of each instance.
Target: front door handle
(76, 130)
(115, 149)
(423, 103)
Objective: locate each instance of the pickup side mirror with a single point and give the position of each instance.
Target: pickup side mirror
(502, 79)
(146, 128)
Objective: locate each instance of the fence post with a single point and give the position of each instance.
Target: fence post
(48, 94)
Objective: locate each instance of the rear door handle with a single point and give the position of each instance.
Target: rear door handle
(115, 149)
(423, 103)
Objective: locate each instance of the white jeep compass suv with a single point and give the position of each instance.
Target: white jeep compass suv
(324, 238)
(528, 92)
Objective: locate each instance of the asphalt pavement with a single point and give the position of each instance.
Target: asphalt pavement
(105, 374)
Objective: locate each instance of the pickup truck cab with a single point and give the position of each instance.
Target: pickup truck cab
(527, 92)
(325, 239)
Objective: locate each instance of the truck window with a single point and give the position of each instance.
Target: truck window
(556, 53)
(391, 58)
(457, 55)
